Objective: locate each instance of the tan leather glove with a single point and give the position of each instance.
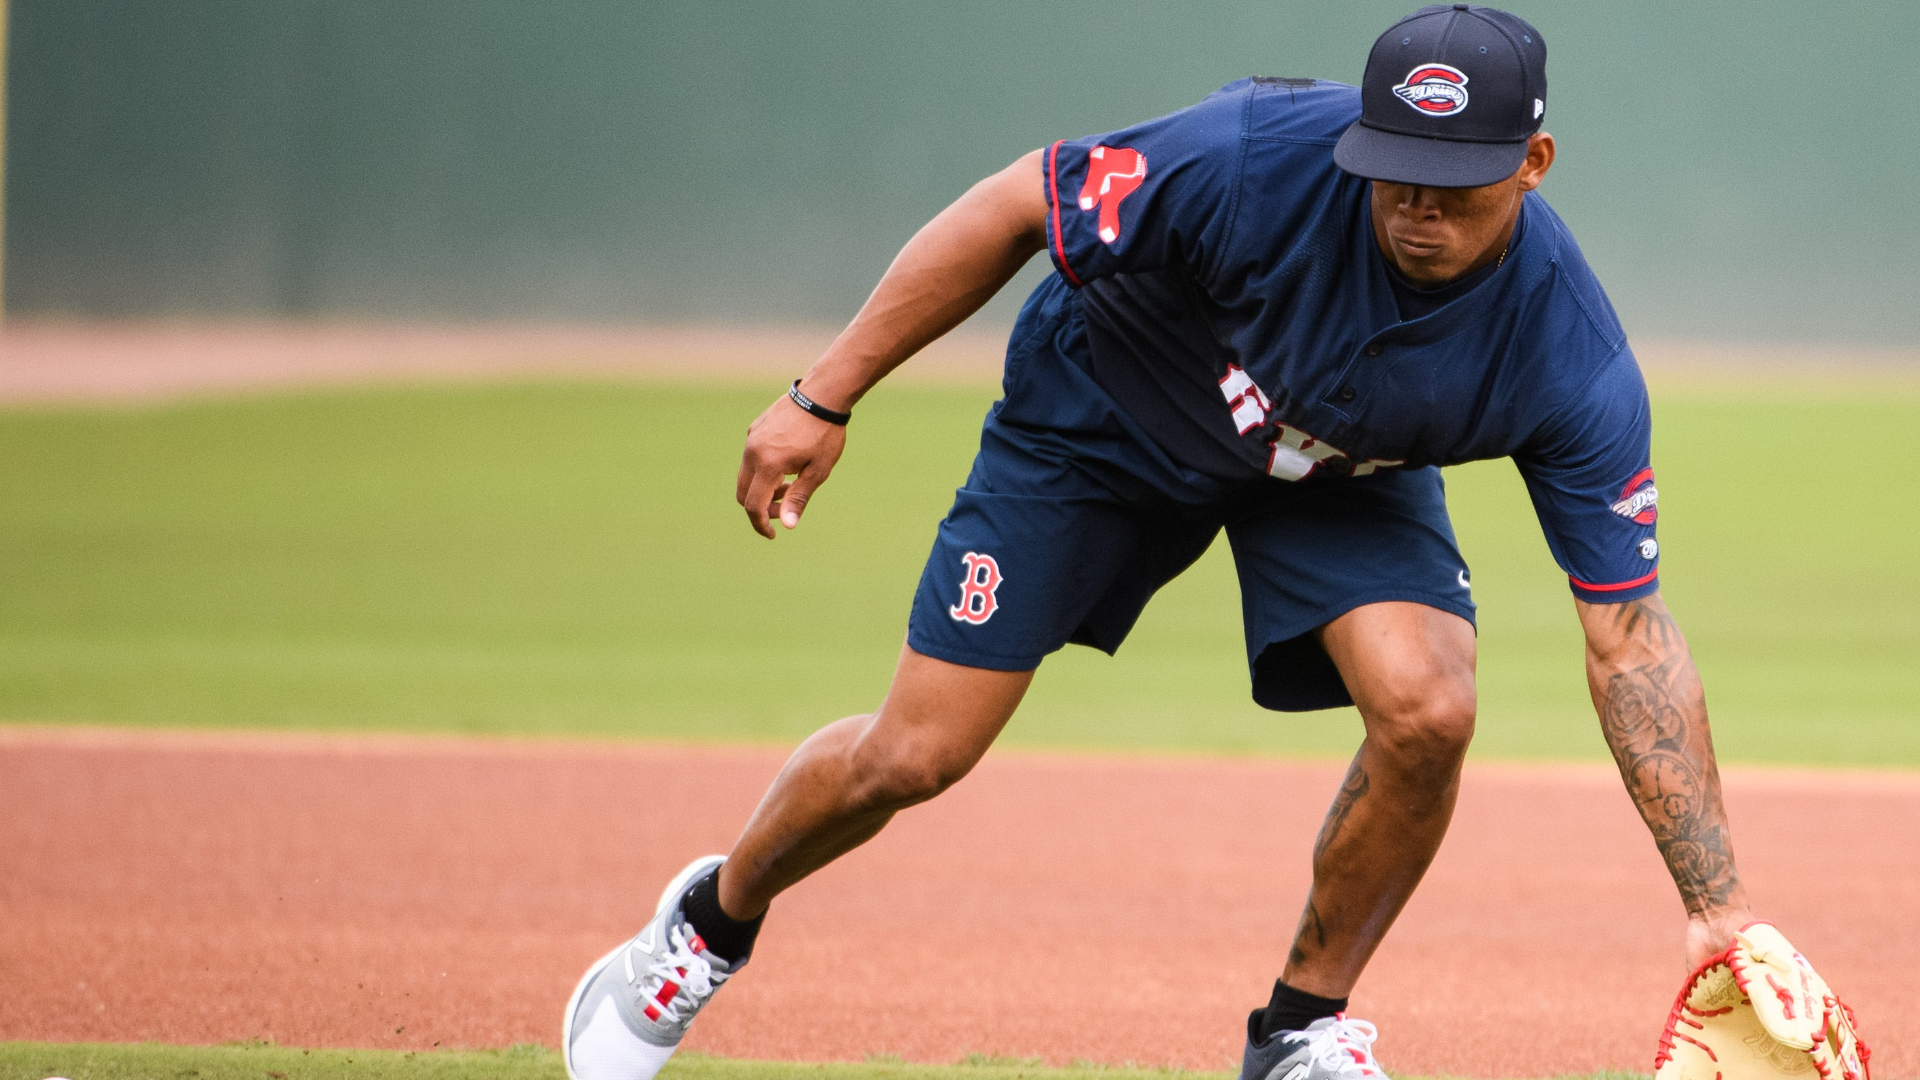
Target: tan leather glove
(1759, 1011)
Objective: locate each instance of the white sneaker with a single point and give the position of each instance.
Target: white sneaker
(1331, 1048)
(632, 1008)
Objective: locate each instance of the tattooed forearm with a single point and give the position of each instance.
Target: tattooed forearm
(1655, 719)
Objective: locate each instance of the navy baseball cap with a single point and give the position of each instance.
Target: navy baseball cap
(1450, 95)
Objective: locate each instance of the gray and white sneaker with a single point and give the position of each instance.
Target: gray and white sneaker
(1332, 1048)
(631, 1009)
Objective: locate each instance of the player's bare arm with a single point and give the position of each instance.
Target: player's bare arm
(1654, 715)
(951, 267)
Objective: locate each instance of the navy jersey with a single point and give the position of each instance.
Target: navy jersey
(1240, 311)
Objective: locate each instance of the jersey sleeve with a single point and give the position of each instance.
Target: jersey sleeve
(1149, 196)
(1590, 474)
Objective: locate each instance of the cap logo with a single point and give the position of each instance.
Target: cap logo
(1434, 89)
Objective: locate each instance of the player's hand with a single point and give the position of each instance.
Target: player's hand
(785, 442)
(1710, 933)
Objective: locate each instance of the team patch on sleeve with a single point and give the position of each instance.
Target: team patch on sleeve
(1639, 500)
(1113, 173)
(1638, 503)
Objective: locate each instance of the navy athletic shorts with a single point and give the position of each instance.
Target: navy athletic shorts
(1072, 518)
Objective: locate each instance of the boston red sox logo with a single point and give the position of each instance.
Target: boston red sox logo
(982, 580)
(1113, 173)
(1434, 89)
(1639, 500)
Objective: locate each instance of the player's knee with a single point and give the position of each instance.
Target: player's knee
(1426, 725)
(895, 773)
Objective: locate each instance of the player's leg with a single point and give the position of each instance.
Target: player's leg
(1012, 577)
(847, 781)
(629, 1012)
(1355, 593)
(1410, 670)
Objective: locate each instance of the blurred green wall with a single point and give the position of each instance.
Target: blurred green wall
(1735, 168)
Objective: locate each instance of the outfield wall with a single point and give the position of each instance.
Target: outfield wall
(1736, 169)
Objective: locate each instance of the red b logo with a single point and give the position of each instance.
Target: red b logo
(1113, 173)
(976, 590)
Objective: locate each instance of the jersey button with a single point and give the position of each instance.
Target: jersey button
(1347, 393)
(1375, 349)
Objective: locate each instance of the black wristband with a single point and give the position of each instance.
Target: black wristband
(831, 416)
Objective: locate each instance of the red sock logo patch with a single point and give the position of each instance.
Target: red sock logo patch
(1113, 173)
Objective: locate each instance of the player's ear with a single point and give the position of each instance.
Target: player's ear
(1539, 160)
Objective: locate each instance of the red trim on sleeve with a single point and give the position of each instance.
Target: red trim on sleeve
(1636, 582)
(1053, 196)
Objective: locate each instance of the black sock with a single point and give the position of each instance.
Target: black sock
(1290, 1010)
(727, 937)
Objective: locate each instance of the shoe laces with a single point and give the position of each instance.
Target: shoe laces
(683, 977)
(1342, 1046)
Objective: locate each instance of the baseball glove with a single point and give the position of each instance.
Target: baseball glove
(1759, 1011)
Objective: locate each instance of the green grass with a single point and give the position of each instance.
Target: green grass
(568, 559)
(254, 1061)
(153, 1061)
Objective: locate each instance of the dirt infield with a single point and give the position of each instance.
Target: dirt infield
(64, 362)
(395, 893)
(57, 362)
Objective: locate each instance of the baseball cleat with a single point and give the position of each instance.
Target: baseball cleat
(632, 1008)
(1334, 1048)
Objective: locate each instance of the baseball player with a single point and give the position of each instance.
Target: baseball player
(1276, 313)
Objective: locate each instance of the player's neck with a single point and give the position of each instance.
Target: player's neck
(1496, 252)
